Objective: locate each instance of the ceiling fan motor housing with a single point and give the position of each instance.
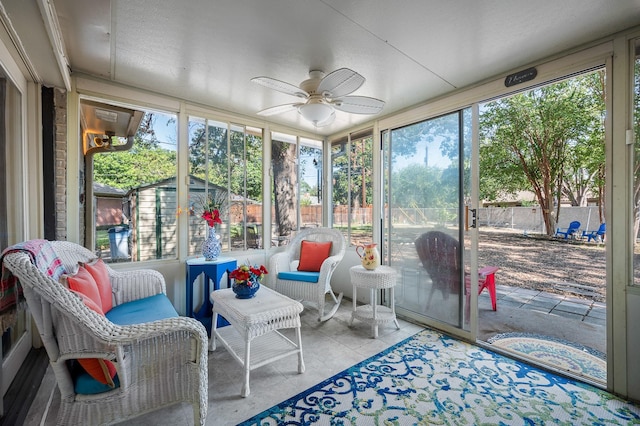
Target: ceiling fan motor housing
(311, 84)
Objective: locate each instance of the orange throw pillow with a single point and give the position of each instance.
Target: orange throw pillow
(100, 274)
(101, 370)
(88, 302)
(83, 282)
(312, 254)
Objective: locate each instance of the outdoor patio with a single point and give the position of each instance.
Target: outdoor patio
(545, 285)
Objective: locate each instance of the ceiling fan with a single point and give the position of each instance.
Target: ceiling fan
(322, 96)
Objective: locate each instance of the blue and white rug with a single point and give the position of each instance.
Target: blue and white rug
(560, 354)
(432, 378)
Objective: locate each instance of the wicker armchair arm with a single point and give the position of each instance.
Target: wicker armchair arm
(83, 328)
(330, 262)
(128, 334)
(138, 284)
(326, 270)
(279, 262)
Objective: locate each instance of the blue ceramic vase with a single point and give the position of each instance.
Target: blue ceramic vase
(211, 246)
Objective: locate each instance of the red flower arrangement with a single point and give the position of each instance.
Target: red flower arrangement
(245, 274)
(212, 217)
(210, 212)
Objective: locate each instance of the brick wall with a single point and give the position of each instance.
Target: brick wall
(60, 101)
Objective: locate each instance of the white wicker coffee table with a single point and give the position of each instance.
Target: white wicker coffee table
(381, 278)
(252, 338)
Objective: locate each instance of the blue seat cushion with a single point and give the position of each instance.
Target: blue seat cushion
(148, 309)
(84, 384)
(309, 277)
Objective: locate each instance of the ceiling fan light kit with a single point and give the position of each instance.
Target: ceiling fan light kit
(323, 94)
(317, 113)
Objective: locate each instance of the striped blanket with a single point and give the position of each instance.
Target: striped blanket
(43, 257)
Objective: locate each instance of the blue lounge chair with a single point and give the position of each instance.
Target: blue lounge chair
(571, 231)
(597, 235)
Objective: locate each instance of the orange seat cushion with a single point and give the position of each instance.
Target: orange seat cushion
(312, 254)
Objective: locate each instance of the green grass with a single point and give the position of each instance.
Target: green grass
(102, 238)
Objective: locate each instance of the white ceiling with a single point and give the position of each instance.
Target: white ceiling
(409, 51)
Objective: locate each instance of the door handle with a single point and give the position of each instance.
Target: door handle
(474, 217)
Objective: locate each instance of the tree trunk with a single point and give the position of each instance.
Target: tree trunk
(285, 184)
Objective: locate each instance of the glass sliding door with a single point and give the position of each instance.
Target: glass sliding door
(16, 333)
(425, 179)
(636, 168)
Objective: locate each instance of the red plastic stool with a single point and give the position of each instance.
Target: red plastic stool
(486, 279)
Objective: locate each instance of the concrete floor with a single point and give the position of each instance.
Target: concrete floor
(334, 345)
(567, 317)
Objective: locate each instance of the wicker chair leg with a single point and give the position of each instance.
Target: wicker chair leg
(198, 420)
(333, 310)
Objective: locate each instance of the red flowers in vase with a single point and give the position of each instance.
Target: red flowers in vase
(212, 217)
(245, 274)
(209, 208)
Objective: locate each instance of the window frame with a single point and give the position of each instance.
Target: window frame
(348, 146)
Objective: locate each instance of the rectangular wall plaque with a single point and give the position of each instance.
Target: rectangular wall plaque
(520, 77)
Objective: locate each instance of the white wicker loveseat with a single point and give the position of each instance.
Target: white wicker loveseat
(288, 281)
(158, 363)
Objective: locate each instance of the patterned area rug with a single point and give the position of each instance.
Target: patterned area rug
(432, 378)
(558, 353)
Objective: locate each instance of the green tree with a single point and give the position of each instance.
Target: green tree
(209, 156)
(419, 185)
(253, 167)
(443, 132)
(584, 171)
(340, 174)
(244, 163)
(146, 162)
(547, 140)
(361, 176)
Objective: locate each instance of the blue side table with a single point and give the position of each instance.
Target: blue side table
(213, 271)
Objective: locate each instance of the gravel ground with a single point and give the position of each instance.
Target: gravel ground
(547, 264)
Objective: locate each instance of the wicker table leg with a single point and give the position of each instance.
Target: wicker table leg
(247, 369)
(301, 367)
(212, 339)
(373, 297)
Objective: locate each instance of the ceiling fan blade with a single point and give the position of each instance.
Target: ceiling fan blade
(280, 86)
(340, 82)
(279, 109)
(359, 104)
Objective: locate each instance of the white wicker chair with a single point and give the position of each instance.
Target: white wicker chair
(158, 363)
(314, 293)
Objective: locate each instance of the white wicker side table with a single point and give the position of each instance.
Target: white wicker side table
(381, 278)
(253, 339)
